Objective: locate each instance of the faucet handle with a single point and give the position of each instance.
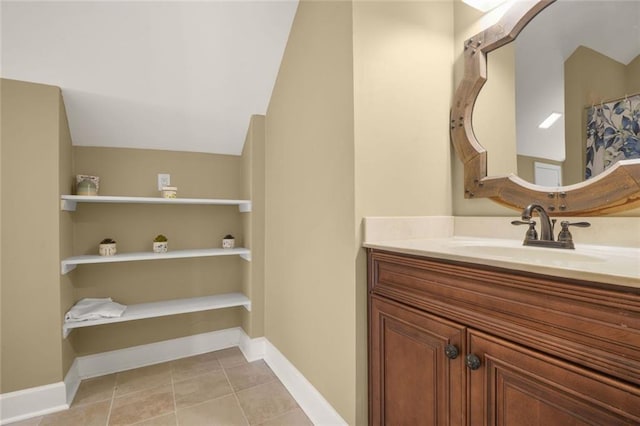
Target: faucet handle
(565, 235)
(566, 224)
(531, 234)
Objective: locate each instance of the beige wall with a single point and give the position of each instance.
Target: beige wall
(310, 275)
(253, 188)
(633, 76)
(402, 84)
(349, 133)
(133, 172)
(31, 287)
(402, 56)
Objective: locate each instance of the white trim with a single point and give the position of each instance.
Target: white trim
(41, 400)
(32, 402)
(252, 349)
(72, 381)
(154, 353)
(319, 411)
(546, 174)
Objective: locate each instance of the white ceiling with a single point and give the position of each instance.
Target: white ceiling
(172, 75)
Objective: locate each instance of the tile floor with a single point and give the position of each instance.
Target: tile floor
(216, 388)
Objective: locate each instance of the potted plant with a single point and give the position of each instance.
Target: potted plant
(160, 244)
(228, 242)
(107, 247)
(169, 192)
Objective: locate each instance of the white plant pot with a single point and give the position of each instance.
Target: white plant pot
(107, 249)
(228, 243)
(160, 247)
(169, 192)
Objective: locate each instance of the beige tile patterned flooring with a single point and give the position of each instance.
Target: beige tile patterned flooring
(216, 388)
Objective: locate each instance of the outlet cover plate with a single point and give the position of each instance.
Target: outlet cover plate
(164, 179)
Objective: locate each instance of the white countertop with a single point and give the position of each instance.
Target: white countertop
(598, 263)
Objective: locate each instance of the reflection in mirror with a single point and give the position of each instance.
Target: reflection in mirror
(615, 189)
(578, 60)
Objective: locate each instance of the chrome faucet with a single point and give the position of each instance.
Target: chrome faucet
(565, 239)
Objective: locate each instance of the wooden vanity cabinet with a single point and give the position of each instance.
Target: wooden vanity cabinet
(541, 350)
(412, 380)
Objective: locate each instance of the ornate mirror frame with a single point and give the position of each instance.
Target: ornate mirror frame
(616, 189)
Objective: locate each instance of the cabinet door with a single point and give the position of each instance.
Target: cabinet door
(520, 387)
(412, 381)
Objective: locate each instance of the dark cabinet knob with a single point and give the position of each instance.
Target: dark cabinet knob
(451, 351)
(472, 361)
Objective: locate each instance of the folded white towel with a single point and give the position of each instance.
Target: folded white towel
(94, 308)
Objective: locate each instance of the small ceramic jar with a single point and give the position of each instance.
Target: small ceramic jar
(160, 247)
(228, 243)
(107, 249)
(169, 192)
(86, 187)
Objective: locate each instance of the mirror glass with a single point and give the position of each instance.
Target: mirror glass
(581, 61)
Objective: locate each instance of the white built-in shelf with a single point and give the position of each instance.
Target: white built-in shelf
(70, 263)
(69, 202)
(168, 307)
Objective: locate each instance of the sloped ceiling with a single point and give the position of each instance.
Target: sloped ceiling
(176, 75)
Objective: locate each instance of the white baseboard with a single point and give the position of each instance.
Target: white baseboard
(155, 353)
(32, 402)
(252, 349)
(72, 381)
(319, 411)
(41, 400)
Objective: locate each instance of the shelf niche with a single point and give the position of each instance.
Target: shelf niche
(165, 308)
(69, 203)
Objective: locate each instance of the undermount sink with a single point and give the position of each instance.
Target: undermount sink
(514, 250)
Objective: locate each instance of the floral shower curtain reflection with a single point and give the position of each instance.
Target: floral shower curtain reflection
(613, 134)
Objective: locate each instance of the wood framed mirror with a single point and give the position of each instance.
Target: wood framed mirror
(616, 188)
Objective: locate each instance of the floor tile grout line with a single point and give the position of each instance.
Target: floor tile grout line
(235, 395)
(284, 414)
(206, 401)
(173, 392)
(113, 397)
(146, 420)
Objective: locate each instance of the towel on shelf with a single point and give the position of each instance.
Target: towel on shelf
(94, 308)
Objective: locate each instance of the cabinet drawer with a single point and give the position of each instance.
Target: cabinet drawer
(592, 324)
